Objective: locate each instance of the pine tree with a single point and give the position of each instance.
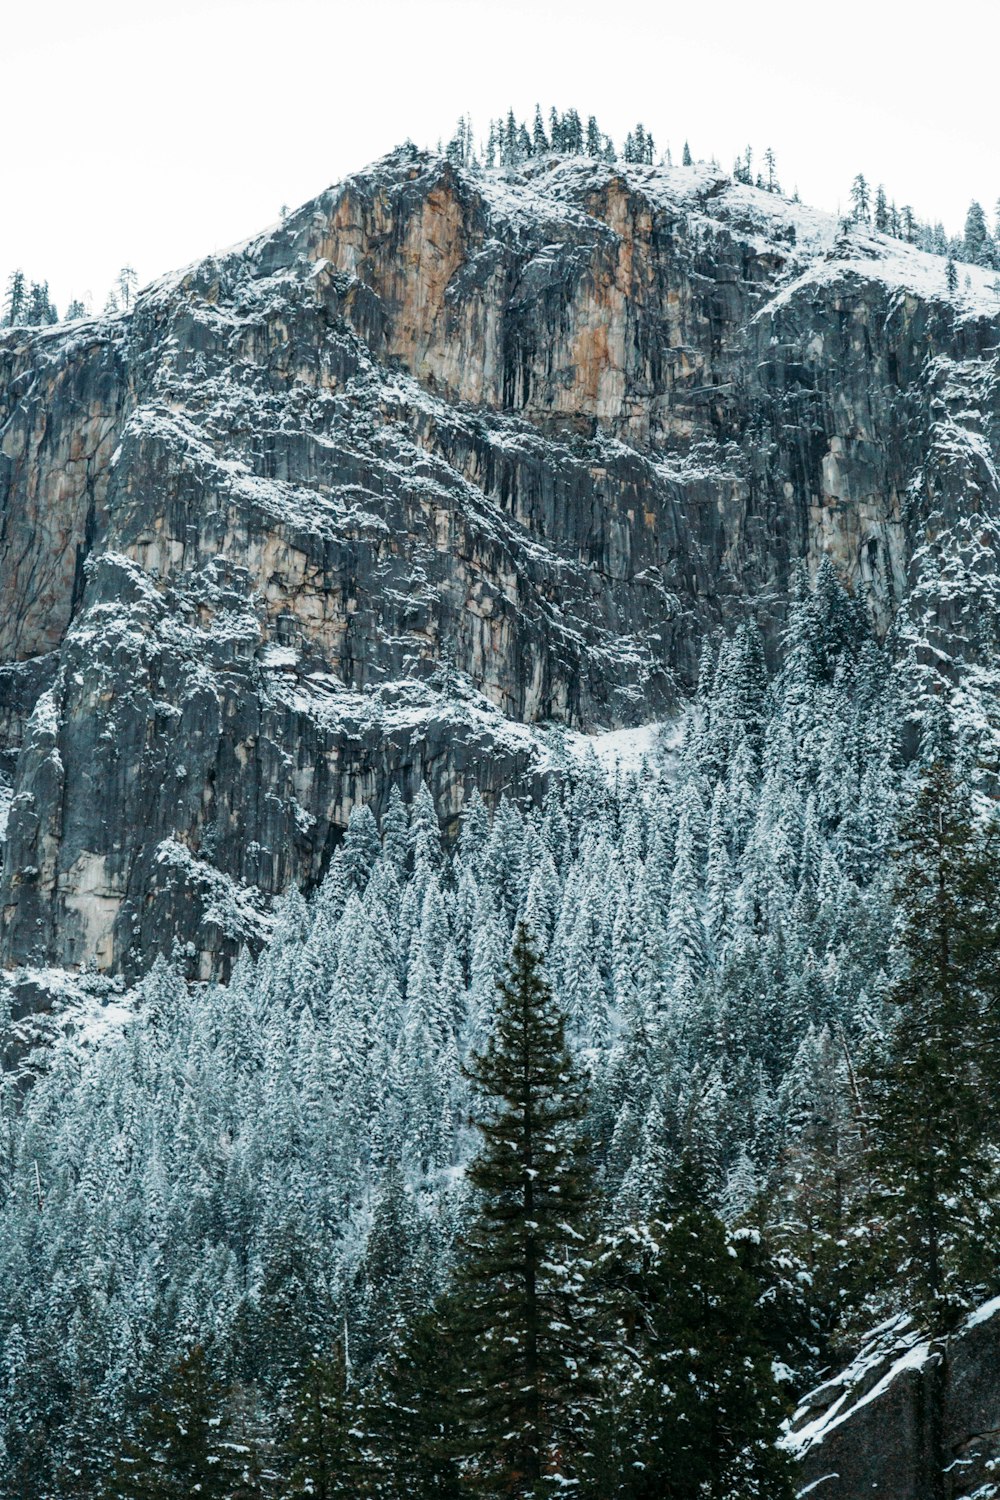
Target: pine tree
(539, 140)
(860, 200)
(819, 1179)
(978, 246)
(388, 1286)
(595, 141)
(415, 1416)
(361, 847)
(509, 149)
(528, 1354)
(396, 832)
(180, 1448)
(16, 300)
(686, 156)
(691, 1410)
(933, 1109)
(572, 132)
(881, 210)
(639, 146)
(951, 277)
(322, 1443)
(126, 283)
(39, 306)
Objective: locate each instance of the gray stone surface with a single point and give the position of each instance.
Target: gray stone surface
(441, 457)
(917, 1423)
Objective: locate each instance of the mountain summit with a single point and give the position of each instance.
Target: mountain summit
(448, 464)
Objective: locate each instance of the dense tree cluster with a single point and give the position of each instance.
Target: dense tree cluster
(976, 245)
(505, 1163)
(28, 304)
(510, 142)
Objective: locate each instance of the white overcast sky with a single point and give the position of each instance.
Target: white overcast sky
(153, 133)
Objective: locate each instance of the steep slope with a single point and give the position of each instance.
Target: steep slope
(443, 456)
(907, 1419)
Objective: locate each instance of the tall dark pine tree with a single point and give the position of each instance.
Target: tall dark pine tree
(181, 1446)
(414, 1431)
(323, 1444)
(933, 1102)
(692, 1409)
(521, 1285)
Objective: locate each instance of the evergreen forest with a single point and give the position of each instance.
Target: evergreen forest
(555, 1153)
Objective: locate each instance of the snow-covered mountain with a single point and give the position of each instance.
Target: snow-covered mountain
(436, 499)
(445, 458)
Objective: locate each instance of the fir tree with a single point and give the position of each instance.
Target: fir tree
(528, 1350)
(180, 1448)
(125, 285)
(978, 246)
(39, 307)
(16, 300)
(692, 1410)
(361, 847)
(539, 140)
(881, 210)
(932, 1111)
(415, 1416)
(572, 133)
(322, 1442)
(860, 200)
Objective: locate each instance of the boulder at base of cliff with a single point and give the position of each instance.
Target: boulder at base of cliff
(908, 1420)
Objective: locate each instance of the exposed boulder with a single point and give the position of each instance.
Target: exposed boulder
(908, 1420)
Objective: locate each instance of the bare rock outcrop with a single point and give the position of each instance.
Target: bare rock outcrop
(909, 1420)
(442, 460)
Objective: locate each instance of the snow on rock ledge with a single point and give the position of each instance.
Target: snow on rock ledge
(909, 1419)
(514, 444)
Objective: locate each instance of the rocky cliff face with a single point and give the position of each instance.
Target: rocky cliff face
(908, 1420)
(439, 463)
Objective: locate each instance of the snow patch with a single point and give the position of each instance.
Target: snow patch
(845, 1406)
(95, 1020)
(983, 1314)
(624, 751)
